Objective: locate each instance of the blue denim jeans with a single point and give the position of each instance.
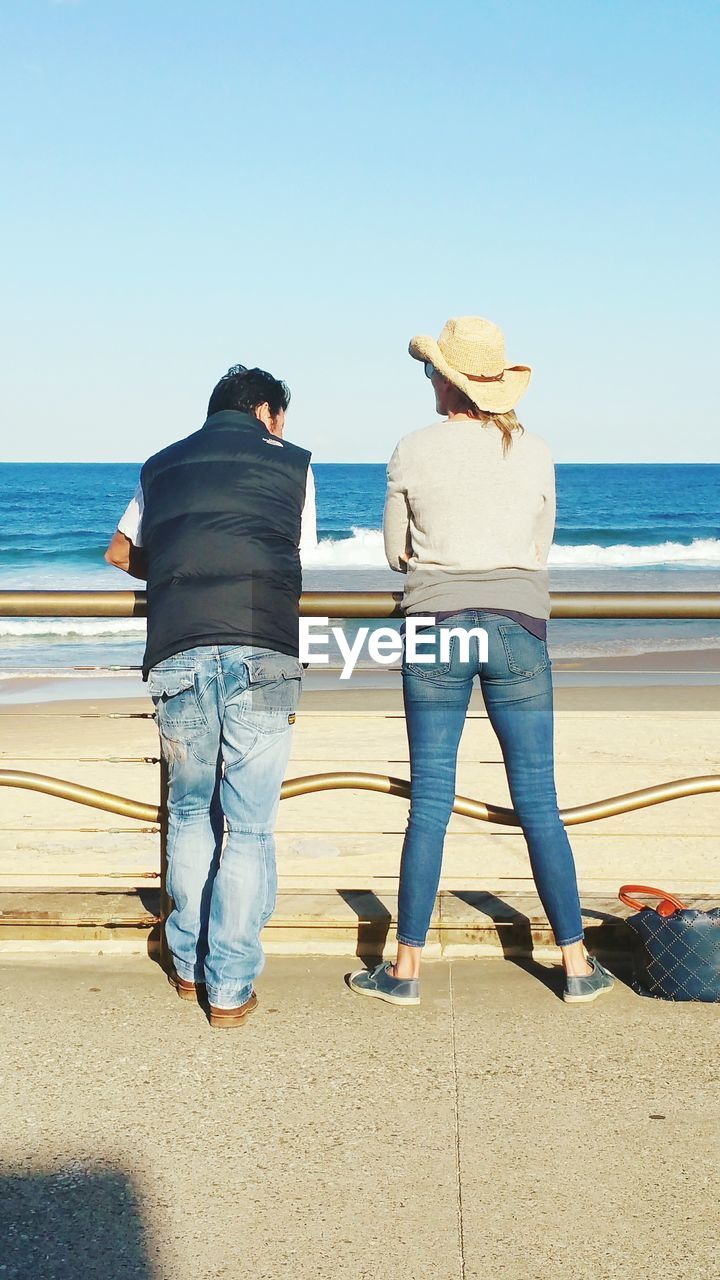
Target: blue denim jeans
(516, 682)
(225, 716)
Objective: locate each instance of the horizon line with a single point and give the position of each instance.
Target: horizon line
(339, 462)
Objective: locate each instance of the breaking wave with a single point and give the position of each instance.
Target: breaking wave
(364, 550)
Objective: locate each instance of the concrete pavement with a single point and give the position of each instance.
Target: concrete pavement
(493, 1132)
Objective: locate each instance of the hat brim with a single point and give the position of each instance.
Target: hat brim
(492, 397)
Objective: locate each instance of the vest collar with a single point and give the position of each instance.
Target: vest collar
(232, 418)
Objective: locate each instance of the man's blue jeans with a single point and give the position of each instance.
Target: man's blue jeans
(225, 716)
(516, 682)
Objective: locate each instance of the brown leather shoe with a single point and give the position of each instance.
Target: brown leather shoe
(233, 1017)
(186, 990)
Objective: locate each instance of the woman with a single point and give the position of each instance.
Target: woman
(469, 516)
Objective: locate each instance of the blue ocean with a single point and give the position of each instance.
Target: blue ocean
(619, 527)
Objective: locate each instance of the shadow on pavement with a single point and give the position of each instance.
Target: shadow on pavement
(77, 1221)
(374, 921)
(517, 941)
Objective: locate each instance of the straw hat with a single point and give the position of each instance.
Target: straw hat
(470, 353)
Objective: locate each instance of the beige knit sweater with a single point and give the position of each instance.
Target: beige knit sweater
(477, 523)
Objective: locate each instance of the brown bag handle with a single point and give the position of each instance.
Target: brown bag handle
(628, 891)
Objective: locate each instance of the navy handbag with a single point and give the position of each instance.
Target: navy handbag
(677, 948)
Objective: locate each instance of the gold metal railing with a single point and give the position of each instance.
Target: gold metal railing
(365, 604)
(368, 604)
(344, 780)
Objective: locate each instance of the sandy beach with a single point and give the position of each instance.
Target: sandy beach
(667, 667)
(613, 735)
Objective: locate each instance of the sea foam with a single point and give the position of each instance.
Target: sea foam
(364, 550)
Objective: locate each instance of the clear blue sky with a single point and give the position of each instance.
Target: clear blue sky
(191, 183)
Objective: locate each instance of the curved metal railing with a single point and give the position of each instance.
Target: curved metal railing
(367, 604)
(370, 604)
(385, 784)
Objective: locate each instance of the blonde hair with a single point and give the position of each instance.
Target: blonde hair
(506, 423)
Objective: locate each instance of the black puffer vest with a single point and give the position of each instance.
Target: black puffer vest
(221, 527)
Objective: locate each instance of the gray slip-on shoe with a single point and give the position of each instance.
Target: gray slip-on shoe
(583, 990)
(381, 984)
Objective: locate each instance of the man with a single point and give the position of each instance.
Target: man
(215, 526)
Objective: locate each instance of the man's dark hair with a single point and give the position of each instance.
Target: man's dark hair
(244, 389)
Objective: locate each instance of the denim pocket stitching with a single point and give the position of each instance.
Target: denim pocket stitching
(271, 669)
(432, 668)
(513, 663)
(173, 685)
(268, 720)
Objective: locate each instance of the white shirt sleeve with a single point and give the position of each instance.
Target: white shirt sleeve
(131, 522)
(308, 527)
